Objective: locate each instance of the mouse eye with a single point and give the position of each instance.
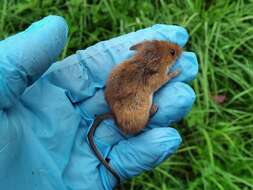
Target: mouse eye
(172, 52)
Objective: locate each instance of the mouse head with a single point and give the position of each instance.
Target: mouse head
(157, 51)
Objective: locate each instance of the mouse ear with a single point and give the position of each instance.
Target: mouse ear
(147, 44)
(136, 46)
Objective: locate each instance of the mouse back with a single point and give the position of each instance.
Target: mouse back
(157, 49)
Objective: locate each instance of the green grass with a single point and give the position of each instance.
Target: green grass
(217, 149)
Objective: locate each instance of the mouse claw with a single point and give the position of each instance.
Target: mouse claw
(173, 74)
(153, 110)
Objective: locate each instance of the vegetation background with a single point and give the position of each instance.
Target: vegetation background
(217, 148)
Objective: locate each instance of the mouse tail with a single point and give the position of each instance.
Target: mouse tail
(93, 146)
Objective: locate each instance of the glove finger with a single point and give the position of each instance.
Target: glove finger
(100, 58)
(25, 56)
(174, 101)
(82, 74)
(103, 56)
(188, 66)
(132, 156)
(37, 47)
(34, 49)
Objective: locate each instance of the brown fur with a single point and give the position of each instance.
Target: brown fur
(131, 85)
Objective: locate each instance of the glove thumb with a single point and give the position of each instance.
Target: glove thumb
(26, 56)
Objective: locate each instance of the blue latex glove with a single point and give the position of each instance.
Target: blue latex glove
(44, 118)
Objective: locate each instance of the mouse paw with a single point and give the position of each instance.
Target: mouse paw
(173, 74)
(153, 110)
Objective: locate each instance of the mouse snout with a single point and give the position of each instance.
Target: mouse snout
(178, 50)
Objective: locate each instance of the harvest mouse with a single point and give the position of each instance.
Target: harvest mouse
(130, 88)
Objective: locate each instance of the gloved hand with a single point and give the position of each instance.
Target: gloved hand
(45, 113)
